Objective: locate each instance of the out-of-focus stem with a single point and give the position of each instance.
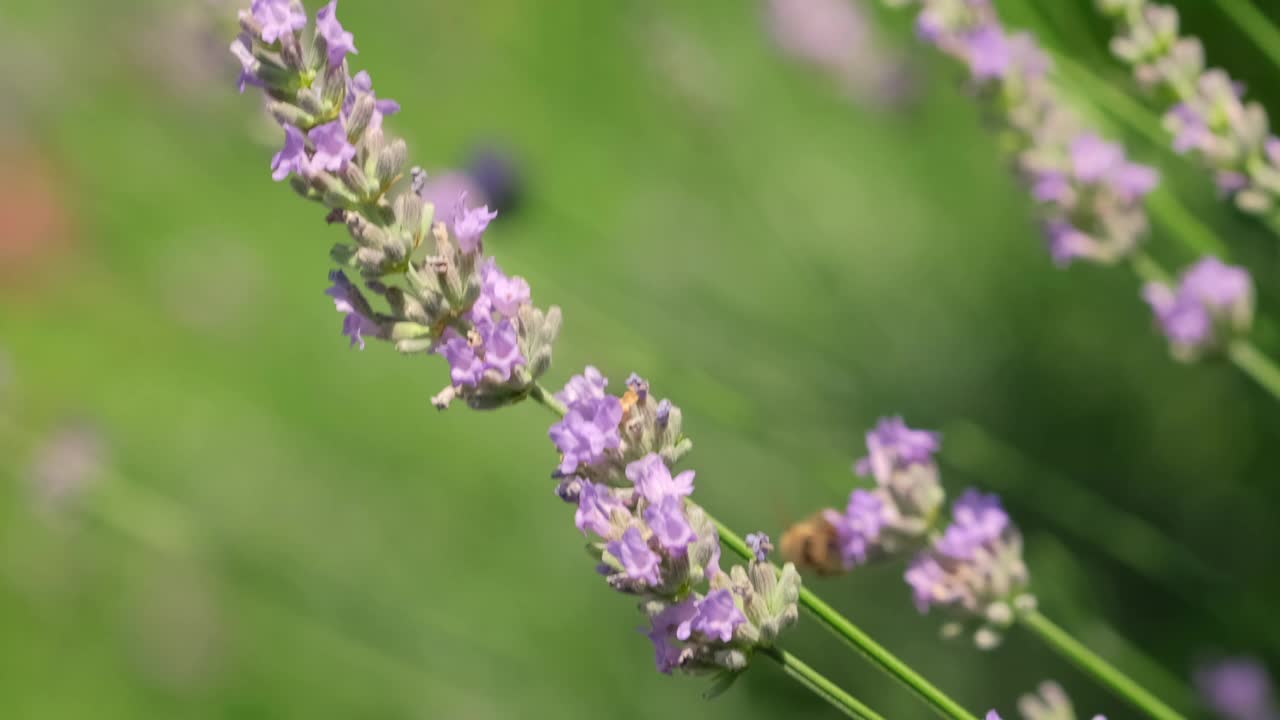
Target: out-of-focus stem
(1246, 356)
(1255, 25)
(1090, 662)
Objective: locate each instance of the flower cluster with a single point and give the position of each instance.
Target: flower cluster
(1090, 193)
(602, 436)
(1049, 703)
(1211, 305)
(1237, 689)
(896, 516)
(1211, 119)
(653, 542)
(441, 295)
(975, 569)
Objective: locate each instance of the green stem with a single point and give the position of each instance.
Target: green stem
(820, 685)
(1246, 356)
(1102, 671)
(832, 620)
(1256, 25)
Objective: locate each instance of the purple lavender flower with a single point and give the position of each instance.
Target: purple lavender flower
(1066, 243)
(333, 152)
(596, 506)
(1096, 161)
(339, 41)
(654, 482)
(663, 412)
(675, 621)
(638, 385)
(988, 52)
(858, 528)
(1211, 296)
(465, 365)
(587, 431)
(1238, 689)
(248, 63)
(669, 525)
(469, 224)
(718, 615)
(639, 562)
(760, 545)
(993, 715)
(293, 157)
(349, 302)
(892, 445)
(506, 294)
(589, 385)
(278, 18)
(977, 520)
(502, 349)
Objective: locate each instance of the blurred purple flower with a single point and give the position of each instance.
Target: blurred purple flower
(465, 365)
(507, 294)
(589, 385)
(1211, 296)
(977, 520)
(248, 63)
(892, 445)
(1237, 689)
(469, 224)
(858, 527)
(278, 18)
(339, 41)
(989, 53)
(66, 463)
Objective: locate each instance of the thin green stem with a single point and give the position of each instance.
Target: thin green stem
(830, 619)
(1246, 356)
(1102, 671)
(1255, 24)
(820, 685)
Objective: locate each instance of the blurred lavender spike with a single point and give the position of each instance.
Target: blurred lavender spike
(838, 39)
(1211, 121)
(1089, 193)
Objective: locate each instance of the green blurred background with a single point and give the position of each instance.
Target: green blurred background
(212, 508)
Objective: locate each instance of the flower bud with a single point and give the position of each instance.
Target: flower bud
(288, 114)
(391, 161)
(358, 120)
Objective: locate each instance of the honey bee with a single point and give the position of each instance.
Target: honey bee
(811, 545)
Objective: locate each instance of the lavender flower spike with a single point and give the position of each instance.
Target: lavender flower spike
(1090, 195)
(1210, 120)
